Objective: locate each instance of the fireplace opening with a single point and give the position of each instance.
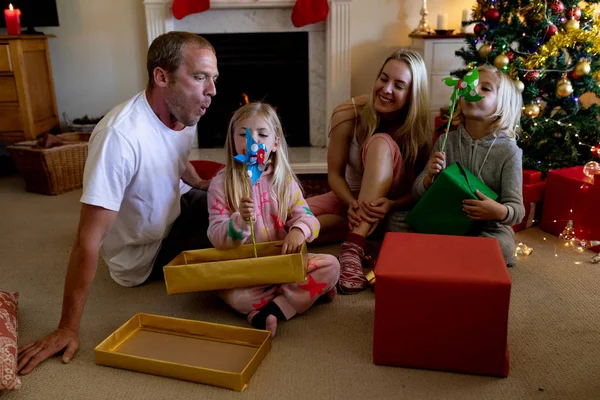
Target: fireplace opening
(270, 67)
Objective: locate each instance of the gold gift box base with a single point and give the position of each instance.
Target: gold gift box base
(196, 351)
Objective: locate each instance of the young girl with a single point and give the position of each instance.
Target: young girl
(278, 211)
(485, 144)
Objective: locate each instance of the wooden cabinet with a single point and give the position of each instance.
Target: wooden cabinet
(27, 99)
(438, 53)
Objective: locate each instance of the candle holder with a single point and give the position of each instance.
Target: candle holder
(424, 28)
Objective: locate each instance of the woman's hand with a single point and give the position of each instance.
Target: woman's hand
(435, 165)
(353, 217)
(485, 209)
(247, 209)
(293, 241)
(376, 209)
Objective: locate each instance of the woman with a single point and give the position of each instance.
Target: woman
(377, 144)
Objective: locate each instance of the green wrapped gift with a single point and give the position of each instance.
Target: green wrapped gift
(440, 209)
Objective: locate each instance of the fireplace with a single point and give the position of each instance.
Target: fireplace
(328, 50)
(267, 66)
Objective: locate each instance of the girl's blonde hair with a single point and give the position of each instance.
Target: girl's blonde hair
(235, 183)
(414, 135)
(509, 104)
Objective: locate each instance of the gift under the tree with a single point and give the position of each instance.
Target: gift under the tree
(214, 269)
(196, 351)
(442, 303)
(440, 210)
(572, 196)
(533, 195)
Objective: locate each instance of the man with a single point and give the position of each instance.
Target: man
(132, 192)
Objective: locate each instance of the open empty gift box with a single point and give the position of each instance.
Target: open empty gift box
(440, 210)
(214, 269)
(442, 303)
(196, 351)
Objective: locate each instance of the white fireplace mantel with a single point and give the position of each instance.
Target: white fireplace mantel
(160, 19)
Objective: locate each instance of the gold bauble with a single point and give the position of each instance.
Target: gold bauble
(485, 50)
(520, 85)
(564, 88)
(532, 110)
(582, 68)
(572, 24)
(501, 61)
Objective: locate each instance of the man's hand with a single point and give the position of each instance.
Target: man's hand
(293, 241)
(34, 353)
(247, 208)
(485, 209)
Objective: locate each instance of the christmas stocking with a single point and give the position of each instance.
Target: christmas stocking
(181, 8)
(307, 12)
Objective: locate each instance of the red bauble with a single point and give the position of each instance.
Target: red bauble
(492, 15)
(511, 56)
(596, 151)
(557, 7)
(532, 76)
(573, 13)
(550, 31)
(480, 29)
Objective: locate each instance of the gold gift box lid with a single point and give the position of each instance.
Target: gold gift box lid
(203, 352)
(214, 269)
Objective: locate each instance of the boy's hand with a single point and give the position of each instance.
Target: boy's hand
(247, 208)
(293, 241)
(485, 209)
(436, 164)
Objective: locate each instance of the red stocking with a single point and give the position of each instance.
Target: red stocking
(307, 12)
(181, 8)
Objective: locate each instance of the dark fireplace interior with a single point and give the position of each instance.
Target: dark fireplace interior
(268, 67)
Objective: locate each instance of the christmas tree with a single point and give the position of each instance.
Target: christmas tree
(552, 51)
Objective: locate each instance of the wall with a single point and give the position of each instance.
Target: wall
(98, 55)
(378, 27)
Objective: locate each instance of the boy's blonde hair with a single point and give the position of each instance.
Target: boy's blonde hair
(509, 104)
(414, 135)
(235, 183)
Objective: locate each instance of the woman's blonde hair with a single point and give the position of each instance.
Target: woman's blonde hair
(414, 135)
(235, 183)
(509, 104)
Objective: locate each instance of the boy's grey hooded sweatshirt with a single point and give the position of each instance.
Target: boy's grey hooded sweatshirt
(496, 160)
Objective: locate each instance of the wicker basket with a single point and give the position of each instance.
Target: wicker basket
(55, 170)
(73, 127)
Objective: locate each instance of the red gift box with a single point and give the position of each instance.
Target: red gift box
(571, 195)
(533, 195)
(531, 176)
(445, 309)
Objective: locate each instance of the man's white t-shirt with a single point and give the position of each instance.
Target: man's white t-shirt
(134, 167)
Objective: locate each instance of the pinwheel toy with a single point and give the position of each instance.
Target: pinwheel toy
(254, 165)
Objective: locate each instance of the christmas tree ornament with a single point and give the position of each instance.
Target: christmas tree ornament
(531, 110)
(568, 234)
(523, 250)
(485, 50)
(571, 25)
(511, 56)
(564, 88)
(480, 29)
(520, 85)
(573, 13)
(550, 31)
(591, 169)
(582, 68)
(557, 7)
(492, 15)
(501, 61)
(532, 76)
(595, 150)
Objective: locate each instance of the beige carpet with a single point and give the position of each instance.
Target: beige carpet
(554, 332)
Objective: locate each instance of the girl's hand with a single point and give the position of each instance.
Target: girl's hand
(485, 209)
(434, 167)
(353, 217)
(293, 241)
(247, 210)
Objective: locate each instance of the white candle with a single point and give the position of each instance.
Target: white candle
(442, 22)
(467, 17)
